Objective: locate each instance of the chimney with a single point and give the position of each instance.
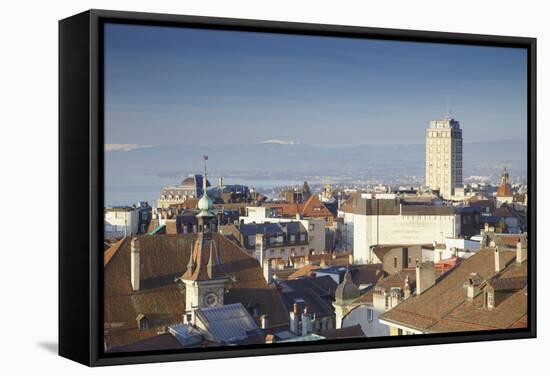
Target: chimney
(425, 276)
(472, 286)
(396, 297)
(499, 260)
(135, 249)
(521, 250)
(268, 271)
(294, 319)
(379, 299)
(260, 248)
(306, 323)
(406, 288)
(264, 321)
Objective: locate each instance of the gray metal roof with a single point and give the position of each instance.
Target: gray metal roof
(229, 323)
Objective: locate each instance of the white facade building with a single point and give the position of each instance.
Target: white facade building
(121, 221)
(315, 226)
(444, 156)
(386, 221)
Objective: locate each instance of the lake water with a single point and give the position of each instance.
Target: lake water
(129, 189)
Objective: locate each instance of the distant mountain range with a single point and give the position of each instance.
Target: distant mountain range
(268, 159)
(284, 161)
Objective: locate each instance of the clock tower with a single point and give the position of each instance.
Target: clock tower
(204, 279)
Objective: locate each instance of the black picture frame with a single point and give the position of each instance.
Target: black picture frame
(81, 184)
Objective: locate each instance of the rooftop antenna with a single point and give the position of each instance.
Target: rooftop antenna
(448, 108)
(205, 157)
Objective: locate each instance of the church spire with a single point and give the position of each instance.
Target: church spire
(205, 205)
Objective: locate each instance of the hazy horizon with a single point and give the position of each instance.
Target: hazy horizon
(175, 94)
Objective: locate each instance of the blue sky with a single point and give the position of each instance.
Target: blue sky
(166, 86)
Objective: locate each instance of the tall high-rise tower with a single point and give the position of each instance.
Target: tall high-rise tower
(444, 156)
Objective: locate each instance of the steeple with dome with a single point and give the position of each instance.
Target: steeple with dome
(505, 194)
(345, 298)
(205, 205)
(205, 279)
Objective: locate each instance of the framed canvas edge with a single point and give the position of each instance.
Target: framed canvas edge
(95, 167)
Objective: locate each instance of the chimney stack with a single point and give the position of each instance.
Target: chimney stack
(473, 286)
(521, 250)
(306, 323)
(135, 249)
(407, 288)
(260, 248)
(425, 276)
(268, 271)
(264, 321)
(294, 319)
(499, 260)
(396, 297)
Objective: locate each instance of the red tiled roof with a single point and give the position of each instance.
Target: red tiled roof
(163, 258)
(445, 307)
(312, 208)
(504, 190)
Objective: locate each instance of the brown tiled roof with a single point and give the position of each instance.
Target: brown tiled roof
(444, 307)
(265, 300)
(109, 253)
(367, 274)
(165, 341)
(508, 284)
(303, 271)
(393, 280)
(163, 258)
(354, 331)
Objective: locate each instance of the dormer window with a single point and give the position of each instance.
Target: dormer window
(490, 299)
(142, 322)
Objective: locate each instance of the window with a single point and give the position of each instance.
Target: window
(292, 238)
(370, 315)
(395, 261)
(490, 300)
(311, 227)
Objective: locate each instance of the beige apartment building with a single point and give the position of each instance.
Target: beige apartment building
(444, 156)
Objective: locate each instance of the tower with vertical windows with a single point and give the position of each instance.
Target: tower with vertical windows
(444, 156)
